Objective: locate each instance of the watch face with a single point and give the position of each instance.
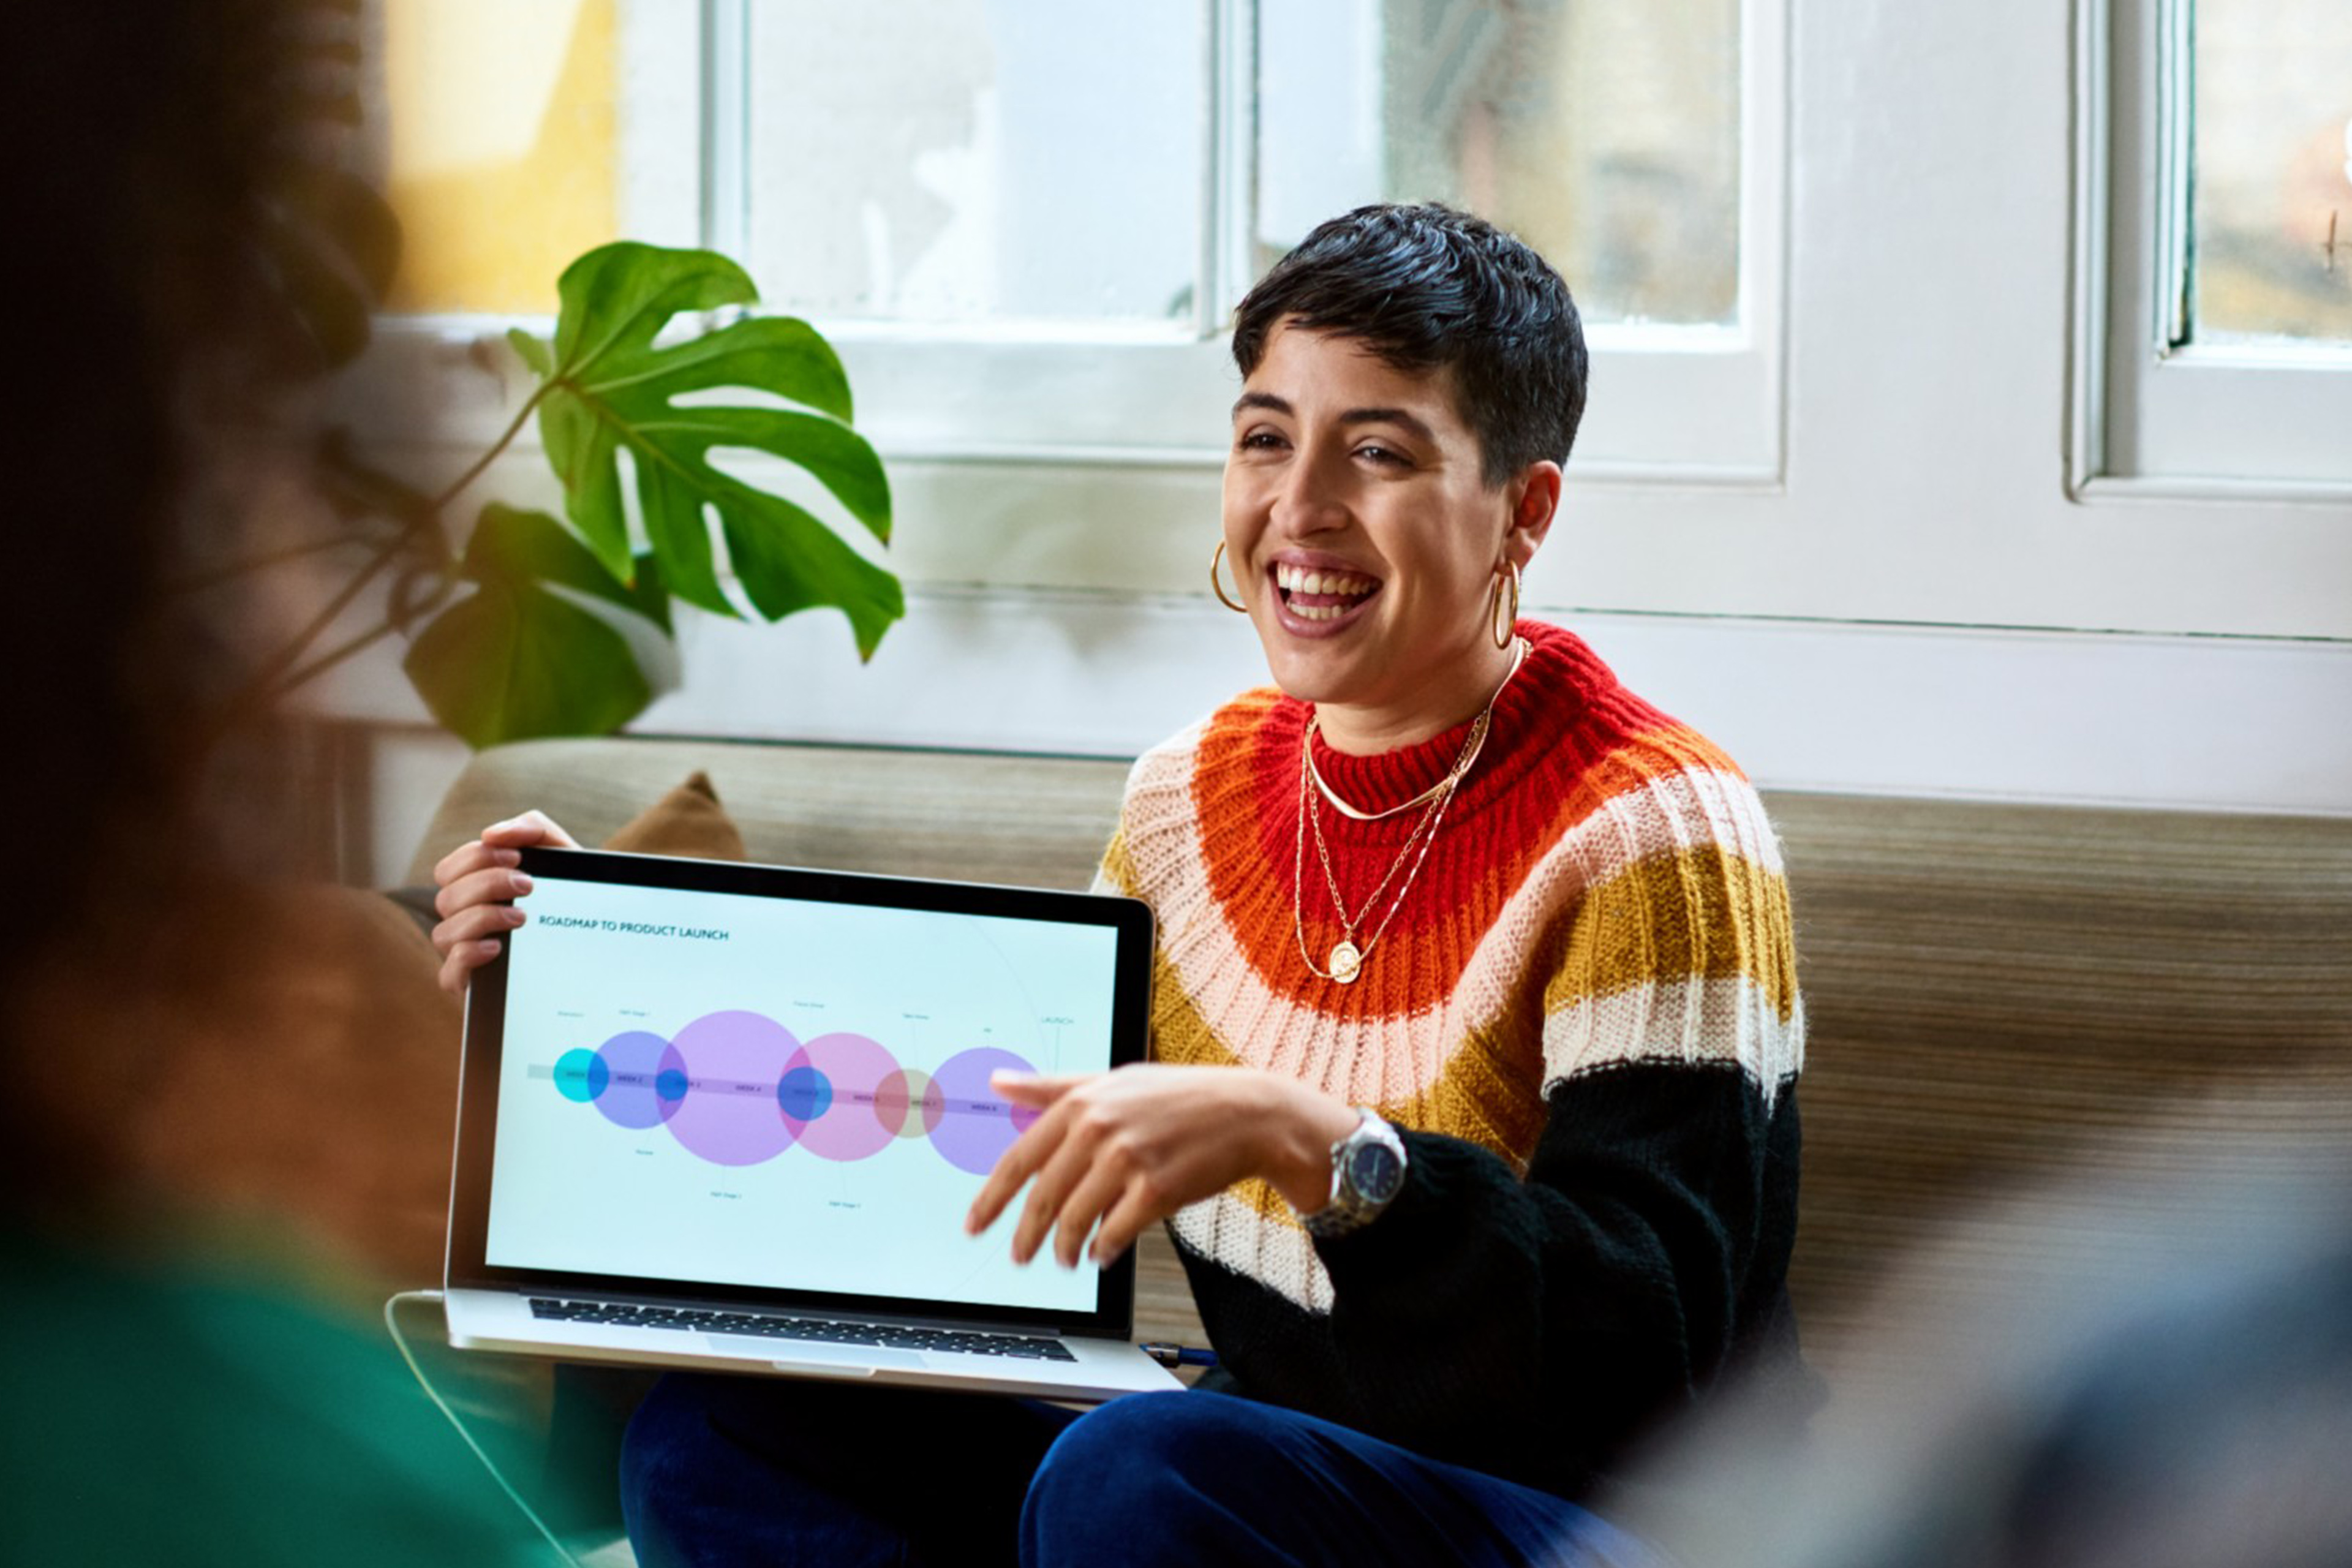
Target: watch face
(1374, 1171)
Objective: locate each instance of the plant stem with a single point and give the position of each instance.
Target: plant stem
(219, 574)
(265, 685)
(393, 622)
(505, 440)
(327, 662)
(273, 680)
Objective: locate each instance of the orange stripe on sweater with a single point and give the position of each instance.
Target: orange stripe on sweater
(1245, 796)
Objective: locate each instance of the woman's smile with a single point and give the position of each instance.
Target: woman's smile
(1315, 598)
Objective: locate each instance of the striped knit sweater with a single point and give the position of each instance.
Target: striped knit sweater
(1584, 1020)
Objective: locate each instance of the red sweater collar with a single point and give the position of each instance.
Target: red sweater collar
(1560, 683)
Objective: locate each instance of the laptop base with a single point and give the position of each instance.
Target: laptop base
(1097, 1369)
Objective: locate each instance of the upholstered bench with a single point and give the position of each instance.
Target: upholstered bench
(1996, 994)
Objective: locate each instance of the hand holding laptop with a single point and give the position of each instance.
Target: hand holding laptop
(478, 883)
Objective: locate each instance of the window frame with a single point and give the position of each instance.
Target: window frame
(2151, 416)
(1683, 404)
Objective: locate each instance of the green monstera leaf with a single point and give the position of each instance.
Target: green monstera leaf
(514, 659)
(608, 390)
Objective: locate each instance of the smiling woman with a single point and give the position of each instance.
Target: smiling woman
(1396, 459)
(1475, 1027)
(1367, 542)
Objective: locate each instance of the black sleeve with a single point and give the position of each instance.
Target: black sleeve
(1647, 1244)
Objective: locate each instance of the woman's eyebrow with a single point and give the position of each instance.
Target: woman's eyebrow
(1413, 424)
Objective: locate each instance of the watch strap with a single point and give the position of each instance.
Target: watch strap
(1351, 1208)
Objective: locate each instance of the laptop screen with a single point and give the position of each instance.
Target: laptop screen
(777, 1081)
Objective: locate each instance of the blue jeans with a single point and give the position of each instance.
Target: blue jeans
(750, 1470)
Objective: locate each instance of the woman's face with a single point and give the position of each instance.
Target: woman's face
(1366, 541)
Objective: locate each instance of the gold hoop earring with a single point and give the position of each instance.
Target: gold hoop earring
(1503, 627)
(1216, 580)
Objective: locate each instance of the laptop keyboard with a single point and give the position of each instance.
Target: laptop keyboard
(1025, 1347)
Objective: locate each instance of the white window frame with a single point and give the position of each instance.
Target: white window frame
(2151, 416)
(1679, 405)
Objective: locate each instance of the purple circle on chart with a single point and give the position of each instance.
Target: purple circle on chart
(634, 1063)
(977, 1125)
(852, 1128)
(733, 1063)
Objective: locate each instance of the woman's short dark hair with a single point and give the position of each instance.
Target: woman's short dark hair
(1426, 287)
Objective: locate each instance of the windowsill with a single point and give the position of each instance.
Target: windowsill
(2127, 488)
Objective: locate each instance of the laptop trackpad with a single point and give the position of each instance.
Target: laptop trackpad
(815, 1353)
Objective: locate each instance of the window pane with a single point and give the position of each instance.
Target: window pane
(977, 160)
(503, 131)
(2273, 170)
(1607, 136)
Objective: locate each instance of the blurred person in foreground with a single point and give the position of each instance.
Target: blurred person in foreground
(180, 1387)
(2120, 1374)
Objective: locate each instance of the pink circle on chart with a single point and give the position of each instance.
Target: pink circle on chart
(734, 1062)
(977, 1125)
(850, 1127)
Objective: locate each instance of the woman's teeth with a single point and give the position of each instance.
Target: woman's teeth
(1321, 595)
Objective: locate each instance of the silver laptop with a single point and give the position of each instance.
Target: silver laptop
(731, 1117)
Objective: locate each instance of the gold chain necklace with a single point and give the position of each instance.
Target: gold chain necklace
(1461, 763)
(1347, 959)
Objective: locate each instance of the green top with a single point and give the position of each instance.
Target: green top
(151, 1413)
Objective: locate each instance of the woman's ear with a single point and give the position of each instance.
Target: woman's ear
(1534, 502)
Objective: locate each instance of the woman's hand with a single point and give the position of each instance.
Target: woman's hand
(478, 883)
(1126, 1148)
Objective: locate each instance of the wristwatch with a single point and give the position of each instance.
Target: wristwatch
(1367, 1172)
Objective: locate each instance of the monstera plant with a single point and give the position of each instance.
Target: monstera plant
(533, 627)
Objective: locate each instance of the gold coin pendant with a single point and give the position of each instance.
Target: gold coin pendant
(1346, 963)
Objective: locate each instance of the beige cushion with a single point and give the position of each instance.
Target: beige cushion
(688, 821)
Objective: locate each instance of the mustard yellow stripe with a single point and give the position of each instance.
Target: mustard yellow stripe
(1118, 864)
(1261, 1197)
(1179, 1033)
(1491, 1090)
(1696, 913)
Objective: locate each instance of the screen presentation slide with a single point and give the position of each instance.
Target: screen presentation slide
(753, 1092)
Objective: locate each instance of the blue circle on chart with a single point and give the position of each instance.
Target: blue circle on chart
(805, 1094)
(669, 1084)
(582, 1075)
